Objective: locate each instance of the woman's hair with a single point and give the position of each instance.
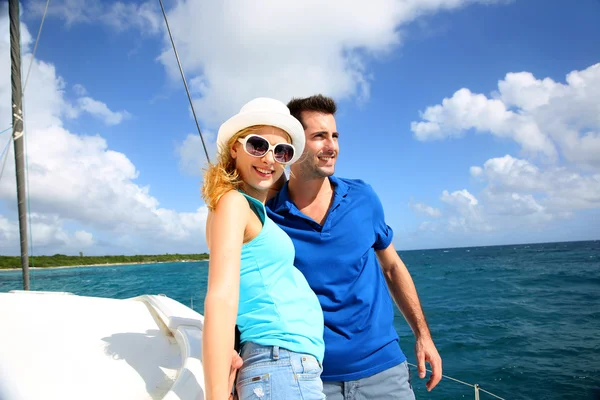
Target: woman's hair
(221, 177)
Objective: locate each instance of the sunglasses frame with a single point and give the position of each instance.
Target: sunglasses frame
(271, 147)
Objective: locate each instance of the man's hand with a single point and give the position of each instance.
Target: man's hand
(426, 352)
(236, 363)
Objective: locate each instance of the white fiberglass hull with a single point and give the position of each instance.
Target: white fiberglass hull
(63, 346)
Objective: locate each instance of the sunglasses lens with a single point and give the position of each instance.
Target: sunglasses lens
(283, 153)
(257, 146)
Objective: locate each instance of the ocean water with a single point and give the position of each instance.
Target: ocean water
(522, 321)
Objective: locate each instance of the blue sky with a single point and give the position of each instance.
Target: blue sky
(459, 113)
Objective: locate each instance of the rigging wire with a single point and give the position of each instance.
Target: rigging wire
(37, 40)
(476, 387)
(184, 81)
(4, 153)
(36, 44)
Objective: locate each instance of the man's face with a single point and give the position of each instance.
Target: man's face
(321, 149)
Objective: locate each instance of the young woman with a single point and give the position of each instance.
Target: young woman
(252, 280)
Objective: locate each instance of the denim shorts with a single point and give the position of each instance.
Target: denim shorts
(272, 372)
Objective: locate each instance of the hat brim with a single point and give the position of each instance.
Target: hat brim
(287, 123)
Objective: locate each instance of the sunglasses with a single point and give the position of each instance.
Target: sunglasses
(258, 146)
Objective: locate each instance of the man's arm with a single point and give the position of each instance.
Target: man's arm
(405, 295)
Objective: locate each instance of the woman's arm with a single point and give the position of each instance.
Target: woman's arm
(225, 234)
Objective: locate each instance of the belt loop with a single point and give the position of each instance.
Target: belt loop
(275, 352)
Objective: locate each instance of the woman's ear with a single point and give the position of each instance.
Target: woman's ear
(233, 151)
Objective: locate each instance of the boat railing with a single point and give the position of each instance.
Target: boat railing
(475, 386)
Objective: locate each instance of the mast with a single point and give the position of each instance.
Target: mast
(17, 121)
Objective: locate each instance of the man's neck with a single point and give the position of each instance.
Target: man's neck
(304, 192)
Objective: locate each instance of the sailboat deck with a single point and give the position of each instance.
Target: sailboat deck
(73, 347)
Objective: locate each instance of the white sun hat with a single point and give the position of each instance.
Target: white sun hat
(264, 111)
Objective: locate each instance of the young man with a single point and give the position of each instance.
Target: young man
(344, 248)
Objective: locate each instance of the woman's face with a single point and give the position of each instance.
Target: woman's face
(259, 173)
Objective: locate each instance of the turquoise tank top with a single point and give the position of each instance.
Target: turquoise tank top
(277, 307)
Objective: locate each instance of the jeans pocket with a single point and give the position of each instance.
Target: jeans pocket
(309, 369)
(254, 388)
(307, 382)
(309, 379)
(408, 374)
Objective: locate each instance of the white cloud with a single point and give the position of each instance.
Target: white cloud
(511, 174)
(143, 17)
(118, 15)
(235, 51)
(428, 226)
(548, 118)
(427, 210)
(558, 189)
(192, 158)
(47, 232)
(495, 212)
(84, 239)
(77, 180)
(466, 110)
(101, 110)
(80, 90)
(461, 199)
(518, 196)
(524, 91)
(9, 232)
(517, 211)
(560, 121)
(465, 213)
(476, 171)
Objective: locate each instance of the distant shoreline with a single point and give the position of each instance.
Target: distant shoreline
(103, 265)
(80, 261)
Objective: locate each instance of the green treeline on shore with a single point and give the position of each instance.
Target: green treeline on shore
(61, 260)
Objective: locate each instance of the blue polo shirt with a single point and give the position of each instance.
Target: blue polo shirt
(339, 262)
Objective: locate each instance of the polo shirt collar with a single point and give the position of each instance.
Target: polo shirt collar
(340, 188)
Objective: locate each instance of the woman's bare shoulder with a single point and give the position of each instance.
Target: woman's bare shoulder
(232, 200)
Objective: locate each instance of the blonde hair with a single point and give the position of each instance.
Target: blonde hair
(221, 177)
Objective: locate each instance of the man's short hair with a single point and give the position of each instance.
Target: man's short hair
(319, 103)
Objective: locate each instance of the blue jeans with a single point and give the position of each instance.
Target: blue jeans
(393, 383)
(271, 372)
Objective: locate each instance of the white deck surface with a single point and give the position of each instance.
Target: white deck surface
(72, 347)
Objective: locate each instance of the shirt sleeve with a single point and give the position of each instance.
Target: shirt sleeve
(383, 232)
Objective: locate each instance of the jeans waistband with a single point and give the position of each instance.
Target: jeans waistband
(255, 348)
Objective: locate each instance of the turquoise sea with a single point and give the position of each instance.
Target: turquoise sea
(522, 321)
